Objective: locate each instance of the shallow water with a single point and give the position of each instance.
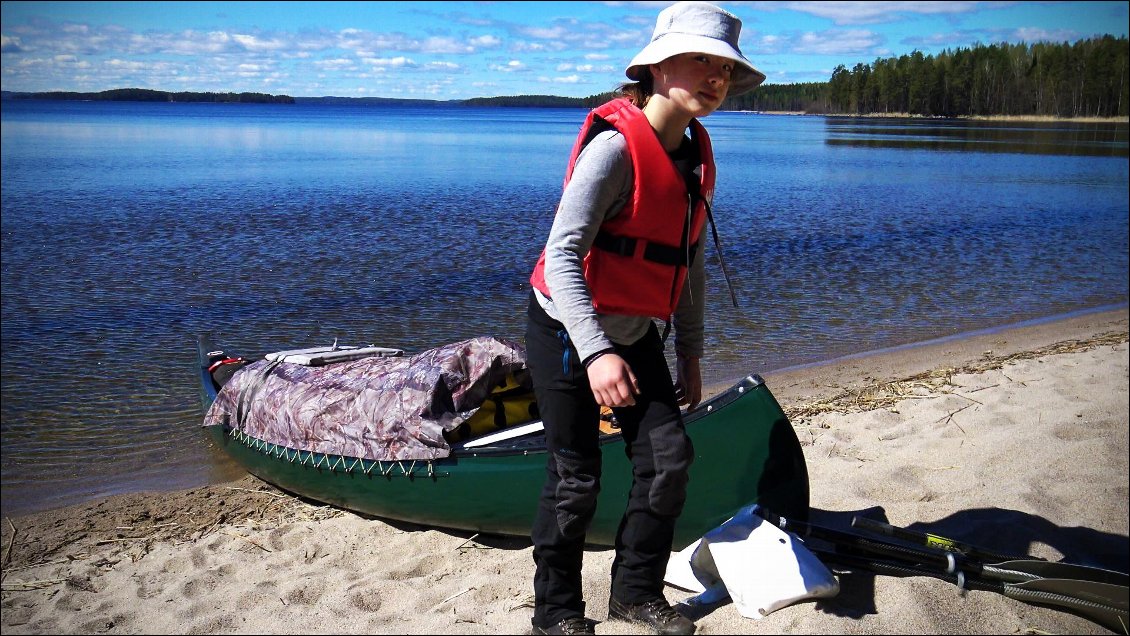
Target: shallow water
(129, 229)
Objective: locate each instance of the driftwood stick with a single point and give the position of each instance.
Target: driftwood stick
(23, 586)
(456, 595)
(11, 542)
(258, 492)
(467, 541)
(248, 539)
(123, 540)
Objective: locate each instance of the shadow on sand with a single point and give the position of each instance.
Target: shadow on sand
(996, 530)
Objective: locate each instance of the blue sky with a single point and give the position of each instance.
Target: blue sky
(456, 50)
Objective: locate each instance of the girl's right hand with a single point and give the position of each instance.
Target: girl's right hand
(612, 381)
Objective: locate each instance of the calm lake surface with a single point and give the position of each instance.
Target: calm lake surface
(129, 229)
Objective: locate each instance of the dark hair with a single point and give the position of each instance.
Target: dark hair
(640, 91)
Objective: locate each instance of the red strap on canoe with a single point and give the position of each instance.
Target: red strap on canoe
(219, 363)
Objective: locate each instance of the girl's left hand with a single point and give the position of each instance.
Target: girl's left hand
(688, 381)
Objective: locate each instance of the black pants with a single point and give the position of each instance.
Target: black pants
(657, 446)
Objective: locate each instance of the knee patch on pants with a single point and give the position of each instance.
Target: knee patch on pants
(673, 453)
(576, 492)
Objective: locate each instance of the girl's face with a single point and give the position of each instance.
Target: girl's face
(695, 82)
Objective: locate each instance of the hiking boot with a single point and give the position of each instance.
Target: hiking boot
(657, 614)
(575, 625)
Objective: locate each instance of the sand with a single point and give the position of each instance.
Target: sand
(1015, 440)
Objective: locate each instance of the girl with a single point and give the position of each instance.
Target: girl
(625, 247)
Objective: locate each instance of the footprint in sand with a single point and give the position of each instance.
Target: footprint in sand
(102, 625)
(420, 567)
(176, 565)
(199, 557)
(149, 585)
(201, 585)
(68, 601)
(1081, 429)
(255, 599)
(366, 600)
(284, 538)
(212, 624)
(305, 592)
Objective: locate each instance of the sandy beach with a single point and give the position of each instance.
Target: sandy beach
(1013, 440)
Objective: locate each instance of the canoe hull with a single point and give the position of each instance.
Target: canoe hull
(745, 452)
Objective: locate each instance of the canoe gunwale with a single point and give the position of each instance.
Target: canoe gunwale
(338, 463)
(529, 443)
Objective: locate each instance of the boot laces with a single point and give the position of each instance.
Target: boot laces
(662, 610)
(576, 626)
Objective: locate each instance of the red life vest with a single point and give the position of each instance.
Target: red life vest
(638, 262)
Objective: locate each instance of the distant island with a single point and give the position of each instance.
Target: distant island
(147, 95)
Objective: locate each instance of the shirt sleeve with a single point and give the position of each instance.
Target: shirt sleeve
(690, 312)
(598, 189)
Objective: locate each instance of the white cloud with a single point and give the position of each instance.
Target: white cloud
(336, 63)
(486, 41)
(1030, 34)
(510, 67)
(253, 43)
(394, 62)
(126, 65)
(10, 45)
(443, 45)
(837, 42)
(830, 42)
(528, 47)
(877, 12)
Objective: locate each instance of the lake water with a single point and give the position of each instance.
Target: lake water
(128, 229)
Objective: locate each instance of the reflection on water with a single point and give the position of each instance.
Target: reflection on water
(1050, 138)
(130, 229)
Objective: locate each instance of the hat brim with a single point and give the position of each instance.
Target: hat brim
(744, 78)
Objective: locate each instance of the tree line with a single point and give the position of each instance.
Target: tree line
(147, 95)
(1084, 79)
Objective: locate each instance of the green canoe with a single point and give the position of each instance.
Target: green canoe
(746, 452)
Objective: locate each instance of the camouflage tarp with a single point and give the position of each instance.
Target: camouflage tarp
(377, 408)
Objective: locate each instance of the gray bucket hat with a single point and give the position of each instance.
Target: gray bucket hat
(698, 27)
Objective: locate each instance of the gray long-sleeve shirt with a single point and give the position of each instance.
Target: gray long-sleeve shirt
(600, 186)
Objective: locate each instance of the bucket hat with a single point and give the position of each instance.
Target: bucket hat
(697, 27)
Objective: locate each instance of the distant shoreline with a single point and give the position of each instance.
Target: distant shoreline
(520, 101)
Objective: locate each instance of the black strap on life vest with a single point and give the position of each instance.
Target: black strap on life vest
(654, 252)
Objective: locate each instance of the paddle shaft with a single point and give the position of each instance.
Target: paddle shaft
(942, 561)
(931, 540)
